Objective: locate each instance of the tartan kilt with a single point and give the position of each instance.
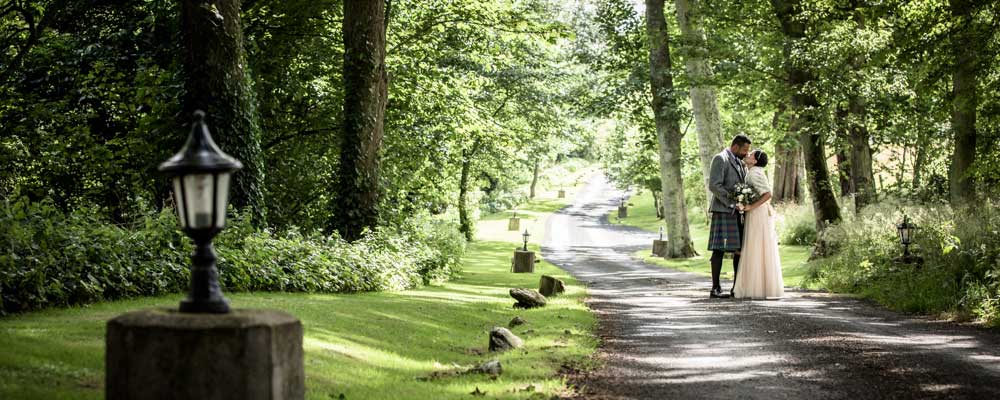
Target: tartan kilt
(726, 232)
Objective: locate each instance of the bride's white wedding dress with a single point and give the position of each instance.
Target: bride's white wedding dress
(759, 275)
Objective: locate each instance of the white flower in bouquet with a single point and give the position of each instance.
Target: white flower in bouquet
(744, 194)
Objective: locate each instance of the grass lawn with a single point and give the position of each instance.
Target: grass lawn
(363, 346)
(642, 214)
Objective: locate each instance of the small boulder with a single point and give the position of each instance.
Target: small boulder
(517, 321)
(527, 298)
(549, 286)
(502, 339)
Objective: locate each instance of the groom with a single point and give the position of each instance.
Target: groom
(726, 232)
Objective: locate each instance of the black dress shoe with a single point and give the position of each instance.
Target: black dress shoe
(716, 293)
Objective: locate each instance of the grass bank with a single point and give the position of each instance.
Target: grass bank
(642, 214)
(389, 345)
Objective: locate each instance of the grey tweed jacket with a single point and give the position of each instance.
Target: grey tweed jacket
(726, 172)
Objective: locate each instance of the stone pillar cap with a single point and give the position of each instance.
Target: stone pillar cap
(174, 319)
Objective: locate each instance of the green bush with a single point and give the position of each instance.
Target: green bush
(961, 252)
(796, 224)
(52, 259)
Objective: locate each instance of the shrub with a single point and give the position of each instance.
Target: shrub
(53, 259)
(796, 224)
(961, 252)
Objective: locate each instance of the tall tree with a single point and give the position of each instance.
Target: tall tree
(216, 81)
(702, 93)
(964, 101)
(668, 131)
(356, 188)
(788, 164)
(805, 122)
(860, 153)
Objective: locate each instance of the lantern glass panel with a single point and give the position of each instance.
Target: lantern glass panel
(179, 202)
(198, 191)
(904, 235)
(221, 198)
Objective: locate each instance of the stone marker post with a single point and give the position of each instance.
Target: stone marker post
(660, 245)
(524, 261)
(166, 354)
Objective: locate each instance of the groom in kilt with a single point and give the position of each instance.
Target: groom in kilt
(726, 232)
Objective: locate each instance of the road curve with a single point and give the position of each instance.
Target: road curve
(663, 338)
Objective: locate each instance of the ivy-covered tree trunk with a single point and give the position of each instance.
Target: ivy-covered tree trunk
(702, 94)
(534, 179)
(844, 172)
(862, 174)
(217, 82)
(965, 99)
(805, 121)
(356, 190)
(668, 132)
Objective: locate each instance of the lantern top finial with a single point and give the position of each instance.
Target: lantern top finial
(200, 154)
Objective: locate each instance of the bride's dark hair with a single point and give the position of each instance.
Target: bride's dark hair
(761, 157)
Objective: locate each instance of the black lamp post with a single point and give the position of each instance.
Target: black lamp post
(661, 233)
(906, 230)
(201, 174)
(525, 235)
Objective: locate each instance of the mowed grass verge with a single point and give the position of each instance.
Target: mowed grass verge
(642, 215)
(403, 345)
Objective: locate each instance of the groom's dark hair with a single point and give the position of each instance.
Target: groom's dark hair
(761, 157)
(740, 140)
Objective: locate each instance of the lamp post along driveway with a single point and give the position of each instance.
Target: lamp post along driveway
(204, 349)
(524, 260)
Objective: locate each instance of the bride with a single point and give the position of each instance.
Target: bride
(759, 273)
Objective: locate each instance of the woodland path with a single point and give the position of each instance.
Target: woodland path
(663, 338)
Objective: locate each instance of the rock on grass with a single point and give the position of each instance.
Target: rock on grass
(527, 298)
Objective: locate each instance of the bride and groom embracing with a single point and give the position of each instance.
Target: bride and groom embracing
(743, 223)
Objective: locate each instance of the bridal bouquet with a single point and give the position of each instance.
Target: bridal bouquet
(744, 194)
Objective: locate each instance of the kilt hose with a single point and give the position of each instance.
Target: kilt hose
(726, 232)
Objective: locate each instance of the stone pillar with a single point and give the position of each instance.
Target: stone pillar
(562, 194)
(524, 261)
(659, 247)
(514, 224)
(622, 211)
(165, 354)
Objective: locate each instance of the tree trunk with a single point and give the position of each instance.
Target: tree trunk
(355, 205)
(844, 173)
(534, 180)
(788, 166)
(862, 175)
(464, 222)
(964, 102)
(805, 123)
(843, 161)
(703, 98)
(862, 179)
(656, 204)
(787, 172)
(217, 83)
(919, 163)
(668, 132)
